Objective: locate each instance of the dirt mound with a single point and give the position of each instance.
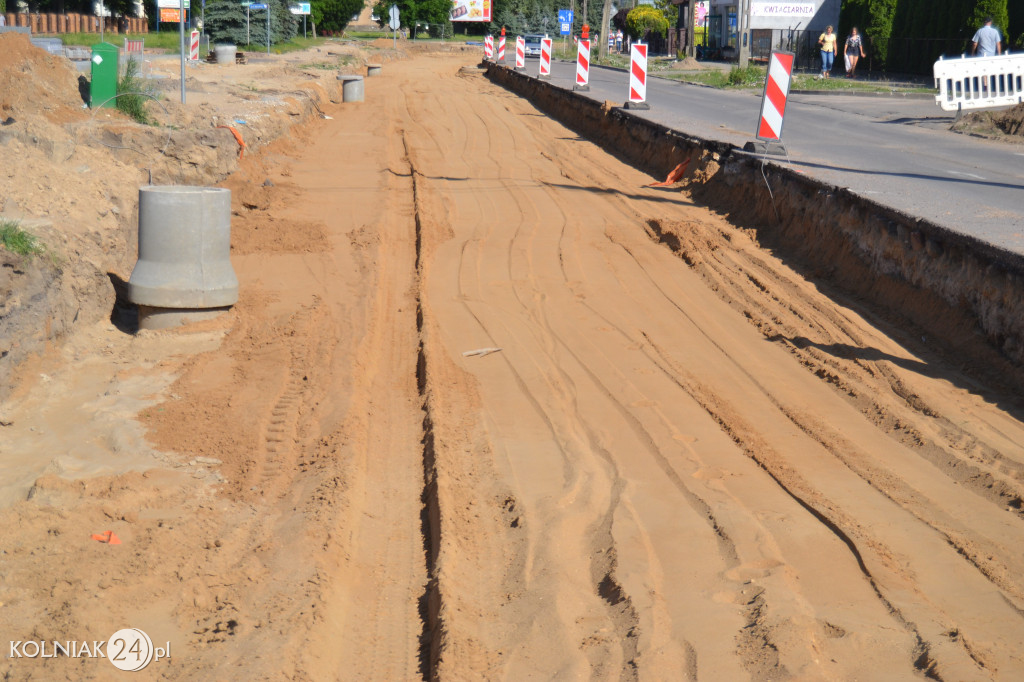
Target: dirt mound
(994, 123)
(34, 81)
(688, 64)
(1011, 122)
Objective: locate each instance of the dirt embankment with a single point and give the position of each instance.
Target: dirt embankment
(902, 264)
(71, 175)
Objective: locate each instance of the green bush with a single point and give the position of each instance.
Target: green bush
(646, 19)
(132, 93)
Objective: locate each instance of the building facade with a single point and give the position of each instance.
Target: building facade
(765, 23)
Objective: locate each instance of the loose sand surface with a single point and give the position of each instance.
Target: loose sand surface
(684, 460)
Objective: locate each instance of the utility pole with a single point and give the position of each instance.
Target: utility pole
(691, 49)
(744, 33)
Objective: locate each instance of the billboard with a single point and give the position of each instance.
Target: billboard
(471, 10)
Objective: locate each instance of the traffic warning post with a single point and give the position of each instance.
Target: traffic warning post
(582, 65)
(501, 47)
(489, 48)
(638, 77)
(520, 53)
(545, 58)
(193, 46)
(773, 100)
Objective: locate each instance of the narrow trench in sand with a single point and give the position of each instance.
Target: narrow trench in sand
(430, 512)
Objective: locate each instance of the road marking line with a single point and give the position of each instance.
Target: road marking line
(966, 175)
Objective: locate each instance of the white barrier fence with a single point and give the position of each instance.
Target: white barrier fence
(979, 82)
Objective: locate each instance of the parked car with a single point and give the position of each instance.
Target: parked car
(532, 45)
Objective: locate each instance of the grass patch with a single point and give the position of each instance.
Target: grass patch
(811, 82)
(17, 240)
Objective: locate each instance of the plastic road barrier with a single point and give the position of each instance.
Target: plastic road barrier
(501, 48)
(582, 65)
(638, 75)
(545, 58)
(520, 53)
(193, 46)
(133, 50)
(489, 48)
(776, 92)
(979, 82)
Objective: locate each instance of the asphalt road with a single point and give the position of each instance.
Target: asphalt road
(895, 150)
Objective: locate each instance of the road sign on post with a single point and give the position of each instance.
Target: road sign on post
(564, 22)
(302, 8)
(393, 23)
(263, 6)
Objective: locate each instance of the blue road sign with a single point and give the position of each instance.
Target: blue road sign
(258, 5)
(565, 21)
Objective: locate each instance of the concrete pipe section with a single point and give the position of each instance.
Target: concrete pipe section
(351, 88)
(373, 69)
(225, 53)
(184, 271)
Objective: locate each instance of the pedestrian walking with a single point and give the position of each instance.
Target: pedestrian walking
(987, 41)
(827, 41)
(853, 50)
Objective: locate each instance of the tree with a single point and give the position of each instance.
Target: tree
(334, 15)
(881, 14)
(991, 8)
(412, 12)
(645, 19)
(226, 23)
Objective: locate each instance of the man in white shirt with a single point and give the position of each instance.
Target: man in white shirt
(987, 40)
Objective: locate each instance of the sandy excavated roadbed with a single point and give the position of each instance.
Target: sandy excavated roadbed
(683, 463)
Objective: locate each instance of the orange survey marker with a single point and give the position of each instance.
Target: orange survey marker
(238, 139)
(107, 537)
(675, 176)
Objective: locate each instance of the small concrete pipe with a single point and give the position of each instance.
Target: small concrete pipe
(351, 88)
(225, 53)
(373, 70)
(184, 271)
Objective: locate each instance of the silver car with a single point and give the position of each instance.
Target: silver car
(532, 45)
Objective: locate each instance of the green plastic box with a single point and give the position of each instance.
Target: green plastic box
(103, 87)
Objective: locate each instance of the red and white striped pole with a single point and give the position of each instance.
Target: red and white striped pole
(501, 46)
(520, 53)
(638, 77)
(489, 48)
(545, 58)
(193, 49)
(776, 92)
(582, 65)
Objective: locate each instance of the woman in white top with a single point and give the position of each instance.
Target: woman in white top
(853, 51)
